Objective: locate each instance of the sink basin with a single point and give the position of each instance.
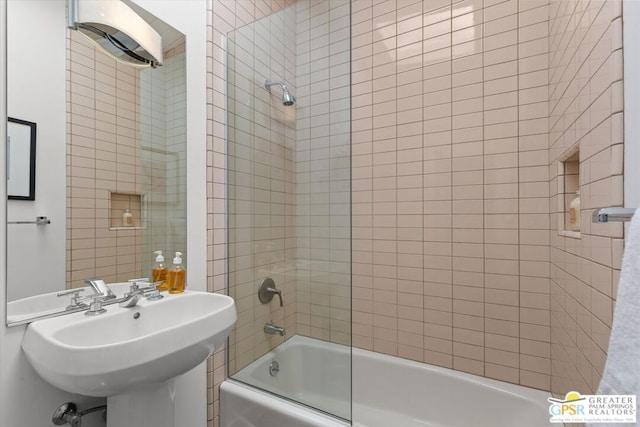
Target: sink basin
(124, 348)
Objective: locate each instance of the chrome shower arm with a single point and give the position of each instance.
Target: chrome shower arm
(287, 98)
(269, 83)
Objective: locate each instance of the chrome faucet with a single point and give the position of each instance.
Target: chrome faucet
(100, 288)
(76, 300)
(272, 329)
(131, 298)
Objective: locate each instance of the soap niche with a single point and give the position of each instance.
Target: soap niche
(125, 211)
(569, 199)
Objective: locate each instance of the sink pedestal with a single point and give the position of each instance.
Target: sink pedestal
(145, 406)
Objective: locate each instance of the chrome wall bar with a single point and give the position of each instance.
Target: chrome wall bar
(612, 215)
(40, 220)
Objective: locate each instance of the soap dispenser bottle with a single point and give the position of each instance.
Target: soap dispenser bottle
(160, 272)
(177, 275)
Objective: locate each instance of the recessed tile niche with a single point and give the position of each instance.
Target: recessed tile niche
(569, 182)
(120, 203)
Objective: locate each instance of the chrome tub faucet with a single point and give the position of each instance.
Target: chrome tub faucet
(272, 329)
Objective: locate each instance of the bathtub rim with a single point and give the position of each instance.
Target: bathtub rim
(293, 407)
(496, 384)
(510, 388)
(535, 397)
(295, 341)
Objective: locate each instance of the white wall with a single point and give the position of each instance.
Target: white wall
(36, 93)
(25, 399)
(631, 27)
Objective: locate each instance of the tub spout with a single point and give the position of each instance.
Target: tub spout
(272, 329)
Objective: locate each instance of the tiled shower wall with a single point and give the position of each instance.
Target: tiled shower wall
(585, 113)
(322, 161)
(450, 184)
(261, 182)
(223, 16)
(289, 174)
(461, 111)
(102, 156)
(163, 148)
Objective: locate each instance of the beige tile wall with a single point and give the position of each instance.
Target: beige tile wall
(102, 157)
(261, 165)
(461, 111)
(126, 146)
(289, 170)
(162, 145)
(585, 113)
(322, 161)
(450, 184)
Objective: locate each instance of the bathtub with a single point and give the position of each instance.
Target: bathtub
(387, 392)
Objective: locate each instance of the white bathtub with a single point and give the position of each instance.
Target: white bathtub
(387, 392)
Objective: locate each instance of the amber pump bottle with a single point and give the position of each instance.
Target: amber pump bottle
(160, 272)
(177, 275)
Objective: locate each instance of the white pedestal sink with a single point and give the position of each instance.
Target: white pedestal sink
(131, 355)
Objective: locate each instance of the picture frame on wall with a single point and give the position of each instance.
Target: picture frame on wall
(21, 159)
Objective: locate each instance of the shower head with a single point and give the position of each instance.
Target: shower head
(287, 98)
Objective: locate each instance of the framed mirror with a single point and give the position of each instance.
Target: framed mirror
(111, 138)
(21, 159)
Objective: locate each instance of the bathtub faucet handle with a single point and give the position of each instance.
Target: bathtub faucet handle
(267, 290)
(276, 292)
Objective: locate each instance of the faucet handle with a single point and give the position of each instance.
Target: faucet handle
(134, 283)
(153, 284)
(155, 293)
(145, 282)
(276, 292)
(75, 298)
(95, 307)
(267, 290)
(70, 291)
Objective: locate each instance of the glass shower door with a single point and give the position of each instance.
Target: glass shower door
(289, 203)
